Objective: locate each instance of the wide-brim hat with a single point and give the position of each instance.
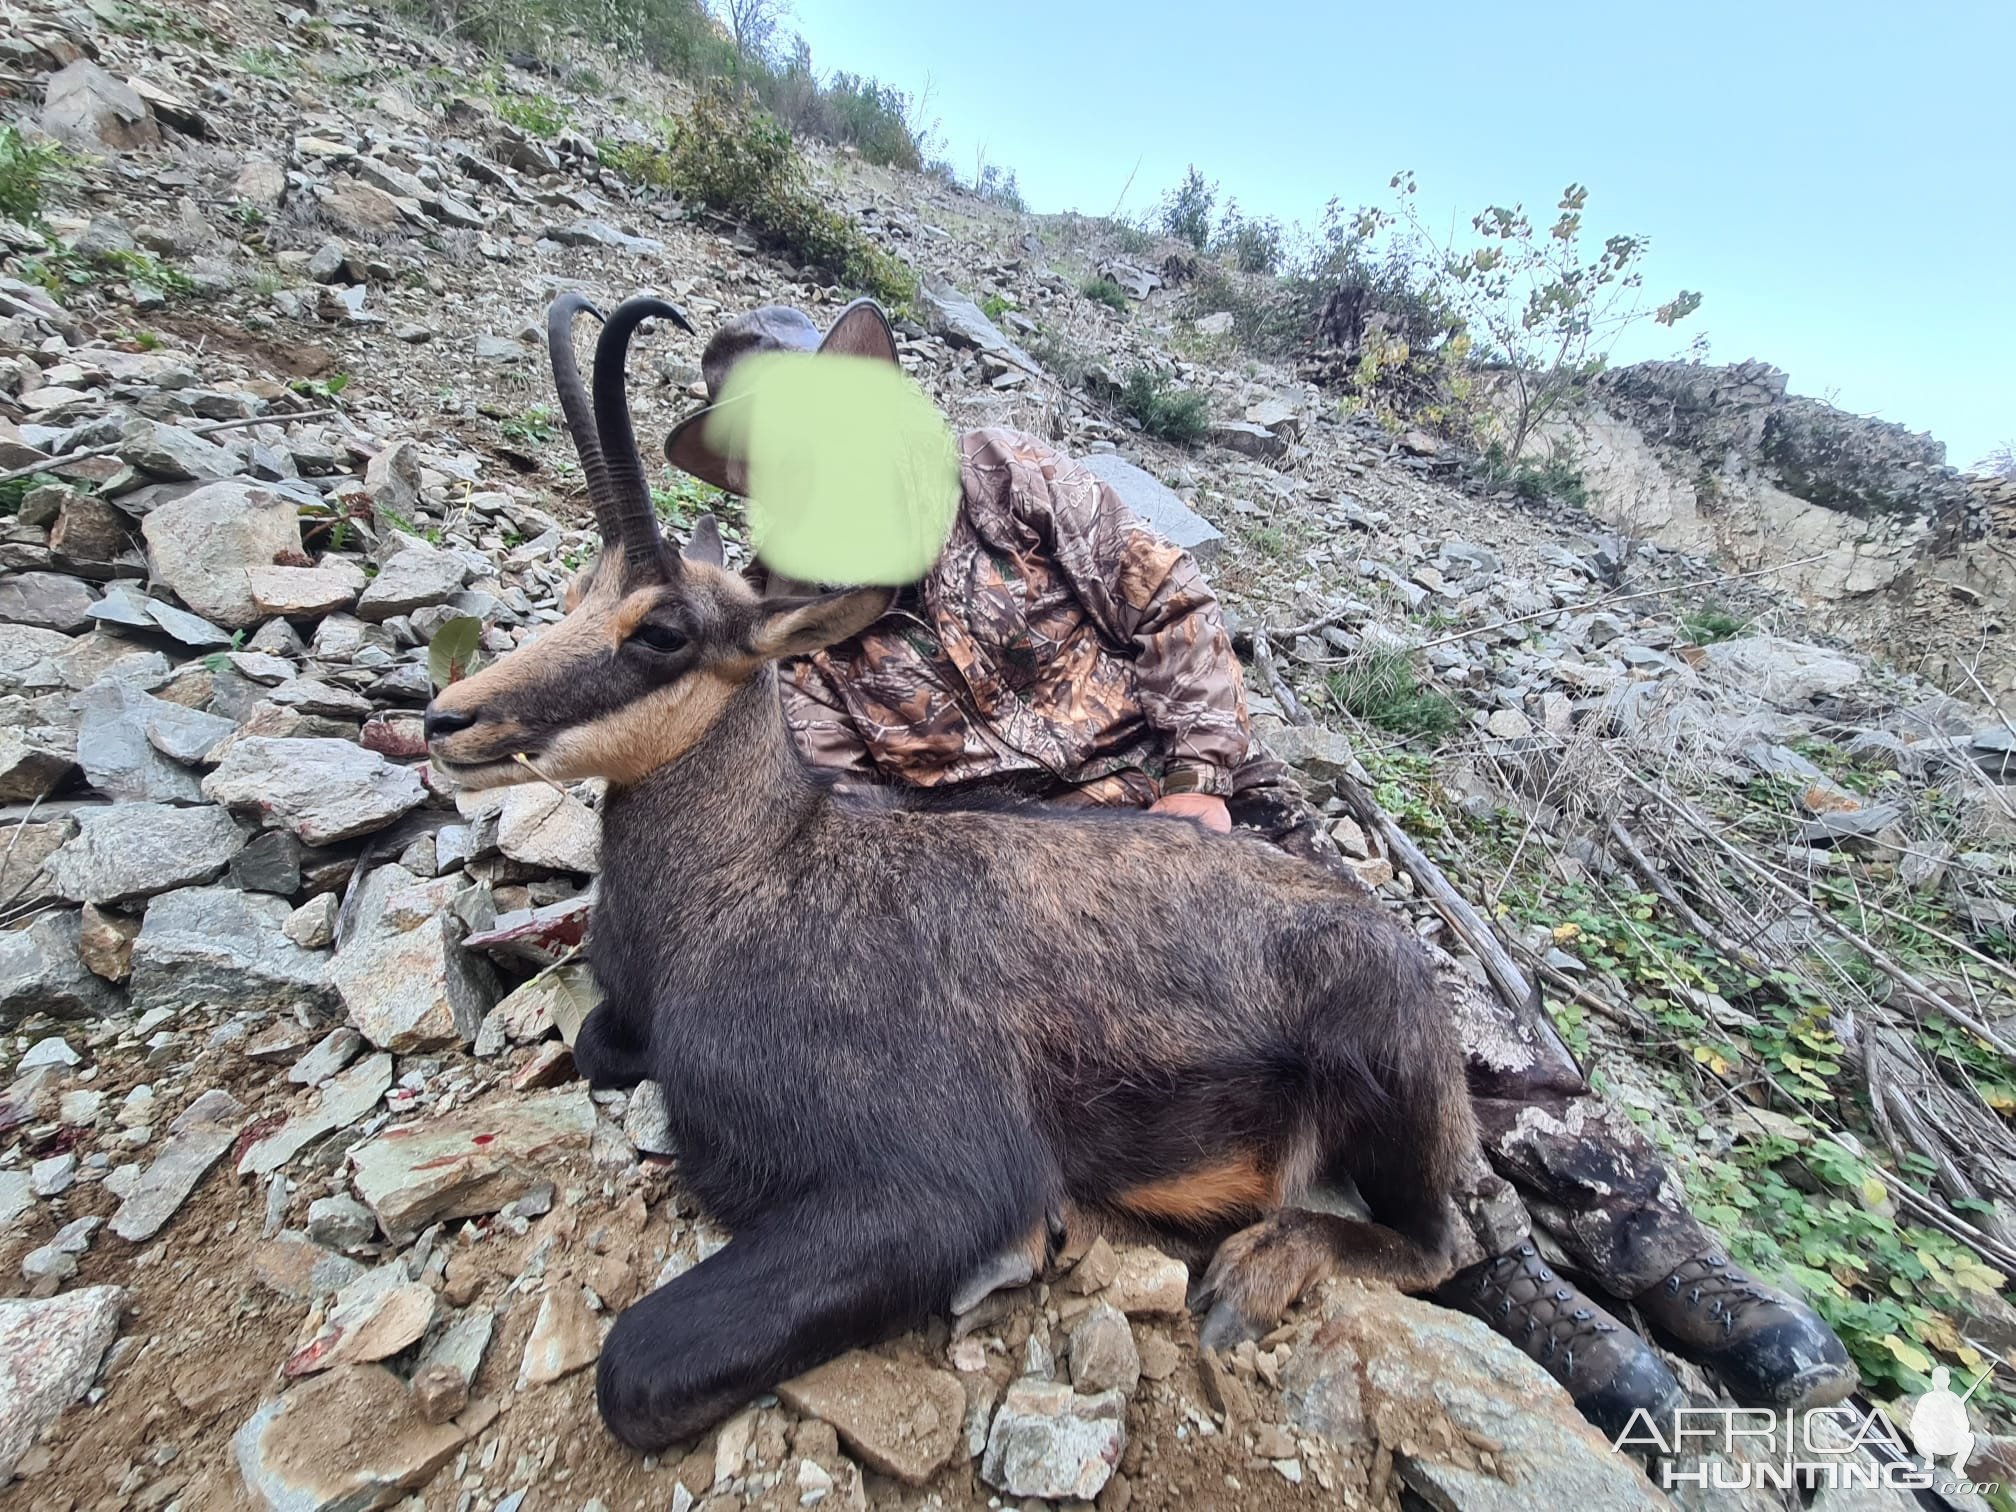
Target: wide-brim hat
(861, 330)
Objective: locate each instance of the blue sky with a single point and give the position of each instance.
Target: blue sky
(1838, 180)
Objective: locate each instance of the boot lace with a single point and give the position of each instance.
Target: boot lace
(1721, 1287)
(1554, 1323)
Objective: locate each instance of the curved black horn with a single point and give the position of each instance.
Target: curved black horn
(634, 525)
(574, 399)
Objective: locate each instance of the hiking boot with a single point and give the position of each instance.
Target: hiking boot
(1609, 1371)
(1769, 1349)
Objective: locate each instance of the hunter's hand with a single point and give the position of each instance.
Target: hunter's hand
(1206, 808)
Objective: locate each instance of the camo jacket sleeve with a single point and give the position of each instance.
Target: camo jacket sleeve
(1144, 594)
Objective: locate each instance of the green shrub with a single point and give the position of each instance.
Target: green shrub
(1254, 246)
(1555, 477)
(1105, 292)
(1186, 210)
(1379, 686)
(1711, 623)
(537, 114)
(994, 307)
(736, 158)
(27, 170)
(1164, 411)
(997, 184)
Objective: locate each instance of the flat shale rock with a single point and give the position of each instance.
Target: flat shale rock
(220, 946)
(902, 1420)
(135, 850)
(320, 790)
(1388, 1369)
(346, 1441)
(196, 1141)
(470, 1162)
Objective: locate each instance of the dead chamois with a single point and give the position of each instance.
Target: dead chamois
(900, 1037)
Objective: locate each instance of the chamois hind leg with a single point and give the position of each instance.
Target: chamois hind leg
(786, 1294)
(1392, 1114)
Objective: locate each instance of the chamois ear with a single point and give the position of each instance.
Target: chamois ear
(704, 545)
(798, 627)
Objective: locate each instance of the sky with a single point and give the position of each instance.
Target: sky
(1838, 180)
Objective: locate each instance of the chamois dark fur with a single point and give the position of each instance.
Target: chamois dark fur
(900, 1038)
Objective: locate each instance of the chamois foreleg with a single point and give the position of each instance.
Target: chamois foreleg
(787, 1293)
(608, 1053)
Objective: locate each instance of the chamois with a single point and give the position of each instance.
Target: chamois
(901, 1038)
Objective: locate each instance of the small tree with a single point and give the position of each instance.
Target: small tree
(753, 24)
(1535, 299)
(1999, 463)
(1186, 209)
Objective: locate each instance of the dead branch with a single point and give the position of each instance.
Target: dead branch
(1263, 660)
(1663, 889)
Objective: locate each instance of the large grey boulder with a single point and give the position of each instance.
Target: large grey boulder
(321, 790)
(205, 544)
(134, 746)
(1381, 1357)
(404, 975)
(221, 946)
(963, 323)
(134, 850)
(41, 972)
(49, 600)
(174, 454)
(1157, 505)
(86, 108)
(415, 575)
(1784, 672)
(49, 1356)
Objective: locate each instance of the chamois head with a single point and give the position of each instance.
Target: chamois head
(655, 642)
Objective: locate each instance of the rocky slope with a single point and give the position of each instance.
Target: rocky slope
(301, 1204)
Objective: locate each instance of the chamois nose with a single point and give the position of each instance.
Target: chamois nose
(441, 722)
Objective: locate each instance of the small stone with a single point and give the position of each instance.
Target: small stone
(344, 1100)
(415, 576)
(313, 924)
(1103, 1355)
(1509, 724)
(470, 1162)
(221, 946)
(903, 1420)
(41, 971)
(448, 1366)
(54, 1176)
(373, 1318)
(647, 1124)
(332, 1053)
(565, 1338)
(341, 1222)
(47, 601)
(105, 943)
(1047, 1441)
(1148, 1283)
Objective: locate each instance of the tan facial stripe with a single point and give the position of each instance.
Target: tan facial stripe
(630, 743)
(629, 615)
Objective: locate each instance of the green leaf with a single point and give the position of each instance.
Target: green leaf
(451, 655)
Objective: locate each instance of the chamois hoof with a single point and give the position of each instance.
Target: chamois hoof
(1003, 1272)
(1227, 1326)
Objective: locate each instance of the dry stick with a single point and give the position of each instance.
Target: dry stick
(1662, 888)
(1618, 598)
(1876, 957)
(1263, 660)
(52, 463)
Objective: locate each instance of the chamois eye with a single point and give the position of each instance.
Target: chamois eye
(659, 637)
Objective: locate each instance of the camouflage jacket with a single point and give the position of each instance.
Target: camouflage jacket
(1059, 642)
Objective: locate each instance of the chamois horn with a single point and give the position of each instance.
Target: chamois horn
(630, 523)
(574, 400)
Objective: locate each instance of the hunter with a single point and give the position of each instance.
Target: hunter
(1060, 651)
